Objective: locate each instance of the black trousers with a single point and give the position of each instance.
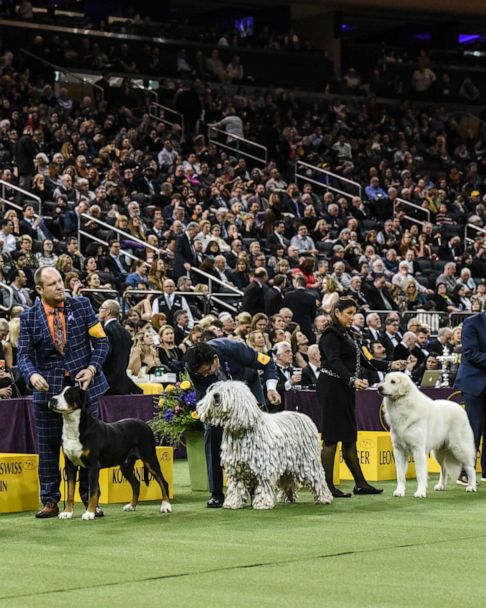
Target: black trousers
(213, 436)
(476, 412)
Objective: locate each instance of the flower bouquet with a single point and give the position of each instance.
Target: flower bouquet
(176, 412)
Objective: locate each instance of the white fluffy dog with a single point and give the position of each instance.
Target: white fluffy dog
(261, 451)
(420, 425)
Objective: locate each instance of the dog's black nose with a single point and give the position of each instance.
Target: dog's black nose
(51, 403)
(380, 389)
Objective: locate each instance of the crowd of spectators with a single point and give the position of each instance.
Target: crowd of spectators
(290, 246)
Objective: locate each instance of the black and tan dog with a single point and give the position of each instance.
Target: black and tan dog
(93, 444)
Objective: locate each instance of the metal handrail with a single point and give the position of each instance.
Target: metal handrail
(10, 293)
(468, 239)
(401, 201)
(207, 297)
(328, 174)
(117, 231)
(123, 252)
(158, 112)
(210, 278)
(135, 85)
(7, 185)
(240, 141)
(92, 290)
(64, 71)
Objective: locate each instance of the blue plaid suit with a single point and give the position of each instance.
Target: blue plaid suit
(37, 354)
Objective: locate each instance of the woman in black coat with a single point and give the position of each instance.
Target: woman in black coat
(342, 360)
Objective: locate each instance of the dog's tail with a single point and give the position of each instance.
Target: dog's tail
(146, 475)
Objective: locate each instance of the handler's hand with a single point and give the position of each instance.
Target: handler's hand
(85, 376)
(360, 385)
(39, 382)
(273, 397)
(398, 365)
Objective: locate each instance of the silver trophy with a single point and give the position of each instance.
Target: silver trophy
(446, 359)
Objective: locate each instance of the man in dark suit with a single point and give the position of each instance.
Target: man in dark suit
(378, 352)
(184, 253)
(303, 306)
(254, 295)
(378, 296)
(443, 339)
(114, 262)
(404, 348)
(49, 361)
(224, 359)
(391, 337)
(310, 374)
(274, 297)
(116, 363)
(277, 237)
(421, 350)
(471, 377)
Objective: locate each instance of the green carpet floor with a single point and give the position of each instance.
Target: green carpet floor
(364, 551)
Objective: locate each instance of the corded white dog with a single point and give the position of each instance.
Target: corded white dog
(420, 425)
(261, 451)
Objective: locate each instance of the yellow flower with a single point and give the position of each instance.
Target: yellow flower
(185, 385)
(161, 402)
(170, 388)
(194, 416)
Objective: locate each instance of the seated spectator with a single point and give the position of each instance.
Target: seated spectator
(258, 341)
(168, 353)
(442, 301)
(300, 348)
(143, 356)
(46, 257)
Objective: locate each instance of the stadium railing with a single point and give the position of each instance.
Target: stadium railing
(238, 145)
(327, 180)
(400, 202)
(477, 232)
(9, 290)
(14, 196)
(164, 114)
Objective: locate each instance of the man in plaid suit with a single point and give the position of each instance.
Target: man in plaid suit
(61, 341)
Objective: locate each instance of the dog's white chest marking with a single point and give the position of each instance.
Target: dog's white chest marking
(71, 443)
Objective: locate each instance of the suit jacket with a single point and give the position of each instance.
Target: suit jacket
(184, 254)
(309, 378)
(375, 300)
(110, 263)
(116, 362)
(86, 344)
(303, 304)
(254, 298)
(273, 301)
(388, 344)
(238, 362)
(273, 242)
(401, 353)
(434, 346)
(471, 377)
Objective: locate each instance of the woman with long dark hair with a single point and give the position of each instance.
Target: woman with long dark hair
(342, 361)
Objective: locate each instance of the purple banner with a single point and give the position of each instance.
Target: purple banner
(369, 405)
(17, 425)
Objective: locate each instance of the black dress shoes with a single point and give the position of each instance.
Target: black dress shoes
(99, 512)
(215, 502)
(339, 494)
(50, 509)
(362, 490)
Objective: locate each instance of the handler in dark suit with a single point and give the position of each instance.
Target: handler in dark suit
(341, 376)
(61, 341)
(471, 377)
(224, 359)
(116, 363)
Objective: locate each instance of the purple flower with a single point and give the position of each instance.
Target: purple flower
(168, 415)
(70, 317)
(191, 398)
